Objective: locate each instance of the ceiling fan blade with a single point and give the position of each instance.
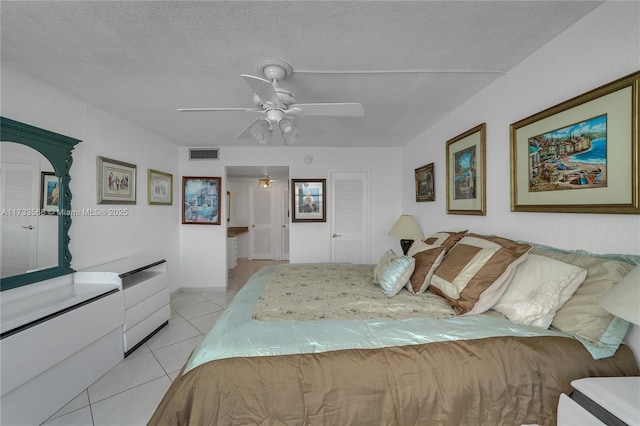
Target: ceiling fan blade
(246, 133)
(263, 88)
(219, 109)
(327, 109)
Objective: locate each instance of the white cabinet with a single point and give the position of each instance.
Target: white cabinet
(146, 295)
(232, 252)
(58, 337)
(601, 401)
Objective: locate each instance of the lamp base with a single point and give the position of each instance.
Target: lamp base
(405, 244)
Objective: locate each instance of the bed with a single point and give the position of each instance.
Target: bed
(343, 344)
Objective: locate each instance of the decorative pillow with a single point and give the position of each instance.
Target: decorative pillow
(396, 275)
(582, 316)
(426, 263)
(382, 264)
(446, 239)
(477, 270)
(540, 286)
(419, 246)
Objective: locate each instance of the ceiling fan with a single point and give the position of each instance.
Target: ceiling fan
(277, 105)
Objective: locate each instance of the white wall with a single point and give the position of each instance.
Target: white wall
(203, 247)
(600, 48)
(146, 229)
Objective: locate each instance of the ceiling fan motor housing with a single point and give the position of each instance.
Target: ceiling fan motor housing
(285, 96)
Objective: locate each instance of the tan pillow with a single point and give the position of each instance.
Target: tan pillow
(582, 315)
(445, 238)
(382, 264)
(426, 263)
(475, 273)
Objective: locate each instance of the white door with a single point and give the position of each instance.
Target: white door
(349, 218)
(20, 186)
(284, 219)
(260, 218)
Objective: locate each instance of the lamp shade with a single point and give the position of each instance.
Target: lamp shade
(406, 228)
(623, 300)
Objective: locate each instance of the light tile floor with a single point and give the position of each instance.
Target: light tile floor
(130, 392)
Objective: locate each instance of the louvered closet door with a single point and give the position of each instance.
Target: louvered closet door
(260, 231)
(349, 218)
(20, 191)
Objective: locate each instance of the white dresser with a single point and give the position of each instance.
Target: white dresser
(145, 284)
(601, 401)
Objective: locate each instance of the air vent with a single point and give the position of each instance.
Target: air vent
(204, 153)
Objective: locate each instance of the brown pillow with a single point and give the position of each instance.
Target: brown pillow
(477, 270)
(445, 238)
(426, 263)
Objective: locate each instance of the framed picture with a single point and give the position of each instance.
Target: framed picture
(116, 182)
(466, 174)
(308, 200)
(201, 200)
(580, 156)
(425, 183)
(49, 194)
(160, 188)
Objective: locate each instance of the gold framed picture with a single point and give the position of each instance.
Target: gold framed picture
(580, 156)
(466, 174)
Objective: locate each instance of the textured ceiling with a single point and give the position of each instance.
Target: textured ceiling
(143, 60)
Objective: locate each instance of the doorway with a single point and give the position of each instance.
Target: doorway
(262, 211)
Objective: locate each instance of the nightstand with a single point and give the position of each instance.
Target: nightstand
(601, 401)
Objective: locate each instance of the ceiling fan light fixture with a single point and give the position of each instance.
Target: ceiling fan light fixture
(291, 139)
(260, 130)
(287, 127)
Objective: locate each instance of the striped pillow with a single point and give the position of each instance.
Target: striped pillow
(445, 238)
(477, 271)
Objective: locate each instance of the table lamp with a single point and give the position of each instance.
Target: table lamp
(623, 300)
(407, 230)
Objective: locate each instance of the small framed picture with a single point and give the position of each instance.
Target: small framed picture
(160, 188)
(116, 182)
(425, 183)
(50, 194)
(308, 200)
(201, 200)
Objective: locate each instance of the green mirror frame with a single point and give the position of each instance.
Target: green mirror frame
(57, 149)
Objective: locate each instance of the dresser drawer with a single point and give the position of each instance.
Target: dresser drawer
(154, 282)
(140, 311)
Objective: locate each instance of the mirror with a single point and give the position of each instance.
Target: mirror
(46, 157)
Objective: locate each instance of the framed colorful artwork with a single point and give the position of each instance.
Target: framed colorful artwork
(466, 174)
(201, 200)
(50, 193)
(425, 183)
(580, 156)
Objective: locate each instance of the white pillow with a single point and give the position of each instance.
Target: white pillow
(540, 286)
(396, 275)
(382, 264)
